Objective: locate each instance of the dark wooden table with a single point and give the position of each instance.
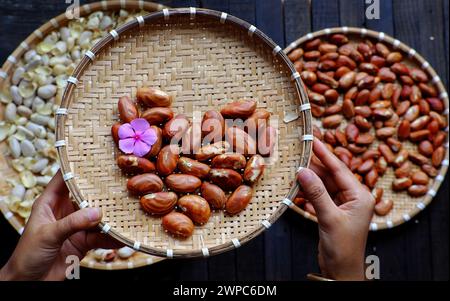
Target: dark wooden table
(418, 250)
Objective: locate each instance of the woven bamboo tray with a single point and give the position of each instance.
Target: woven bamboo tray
(405, 206)
(6, 71)
(204, 59)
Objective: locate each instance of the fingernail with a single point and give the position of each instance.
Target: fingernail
(94, 214)
(304, 176)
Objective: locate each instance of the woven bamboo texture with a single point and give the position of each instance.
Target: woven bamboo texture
(405, 206)
(204, 59)
(6, 171)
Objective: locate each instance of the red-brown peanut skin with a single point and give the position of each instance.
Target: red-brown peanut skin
(257, 121)
(193, 167)
(230, 160)
(192, 139)
(132, 165)
(238, 109)
(153, 97)
(384, 207)
(159, 203)
(178, 224)
(254, 169)
(115, 132)
(144, 184)
(240, 141)
(214, 195)
(127, 109)
(211, 150)
(196, 208)
(227, 179)
(167, 159)
(175, 128)
(213, 126)
(267, 141)
(183, 183)
(158, 144)
(239, 199)
(157, 115)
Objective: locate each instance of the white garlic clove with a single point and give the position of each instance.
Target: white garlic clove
(29, 55)
(47, 91)
(17, 75)
(15, 94)
(27, 89)
(125, 252)
(14, 147)
(18, 191)
(28, 149)
(28, 179)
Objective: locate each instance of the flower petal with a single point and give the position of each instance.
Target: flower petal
(127, 145)
(126, 131)
(149, 137)
(141, 149)
(140, 125)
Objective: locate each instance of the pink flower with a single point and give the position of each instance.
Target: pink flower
(136, 137)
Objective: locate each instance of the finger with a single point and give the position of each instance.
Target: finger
(56, 191)
(323, 174)
(57, 185)
(83, 219)
(343, 177)
(314, 191)
(96, 240)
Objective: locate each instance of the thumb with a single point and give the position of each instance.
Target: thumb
(82, 219)
(315, 192)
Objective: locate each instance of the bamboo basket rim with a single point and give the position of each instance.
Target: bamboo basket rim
(9, 65)
(188, 14)
(424, 201)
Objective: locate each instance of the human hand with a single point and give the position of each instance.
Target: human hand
(54, 231)
(344, 208)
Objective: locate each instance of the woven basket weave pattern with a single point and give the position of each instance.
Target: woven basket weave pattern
(405, 206)
(8, 68)
(203, 64)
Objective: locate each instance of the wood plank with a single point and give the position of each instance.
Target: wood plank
(220, 5)
(445, 10)
(298, 22)
(277, 242)
(386, 21)
(297, 19)
(250, 257)
(250, 260)
(439, 233)
(269, 19)
(244, 9)
(193, 269)
(184, 3)
(222, 267)
(387, 245)
(21, 19)
(179, 3)
(304, 242)
(352, 13)
(325, 13)
(416, 32)
(10, 238)
(432, 45)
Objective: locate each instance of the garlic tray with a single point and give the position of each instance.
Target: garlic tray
(31, 97)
